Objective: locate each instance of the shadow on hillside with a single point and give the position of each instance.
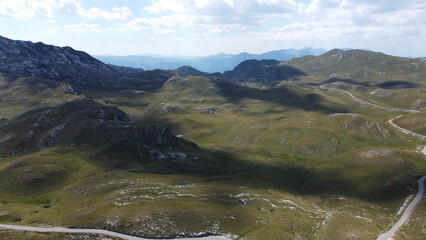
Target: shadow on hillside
(301, 180)
(279, 95)
(382, 85)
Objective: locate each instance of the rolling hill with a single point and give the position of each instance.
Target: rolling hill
(183, 153)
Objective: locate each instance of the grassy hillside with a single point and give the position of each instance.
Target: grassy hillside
(10, 234)
(366, 66)
(416, 227)
(27, 93)
(415, 122)
(296, 161)
(293, 138)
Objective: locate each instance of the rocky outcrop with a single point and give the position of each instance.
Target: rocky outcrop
(171, 107)
(208, 110)
(159, 135)
(377, 153)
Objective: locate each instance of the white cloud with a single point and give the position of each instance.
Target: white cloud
(26, 9)
(249, 24)
(72, 29)
(224, 12)
(166, 6)
(165, 24)
(82, 27)
(209, 17)
(333, 23)
(23, 9)
(116, 13)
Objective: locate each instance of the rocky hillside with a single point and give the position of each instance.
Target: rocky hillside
(89, 125)
(362, 65)
(41, 60)
(63, 64)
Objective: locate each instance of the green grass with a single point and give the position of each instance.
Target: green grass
(414, 122)
(363, 66)
(10, 234)
(303, 172)
(28, 93)
(416, 227)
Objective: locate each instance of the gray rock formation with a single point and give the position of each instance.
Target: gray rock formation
(171, 107)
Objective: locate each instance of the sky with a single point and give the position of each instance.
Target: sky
(206, 27)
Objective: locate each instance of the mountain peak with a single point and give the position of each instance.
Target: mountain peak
(186, 71)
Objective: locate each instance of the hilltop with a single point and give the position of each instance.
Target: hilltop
(269, 72)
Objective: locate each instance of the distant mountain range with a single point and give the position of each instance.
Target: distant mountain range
(79, 69)
(215, 63)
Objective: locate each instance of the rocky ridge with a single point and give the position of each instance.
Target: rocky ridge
(41, 60)
(63, 64)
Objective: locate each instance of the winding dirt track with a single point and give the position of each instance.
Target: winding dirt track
(404, 217)
(406, 131)
(371, 104)
(389, 234)
(94, 231)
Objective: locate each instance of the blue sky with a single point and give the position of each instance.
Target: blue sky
(204, 27)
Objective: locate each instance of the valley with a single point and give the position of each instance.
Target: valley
(269, 150)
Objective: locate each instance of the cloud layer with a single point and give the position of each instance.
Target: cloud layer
(25, 9)
(320, 23)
